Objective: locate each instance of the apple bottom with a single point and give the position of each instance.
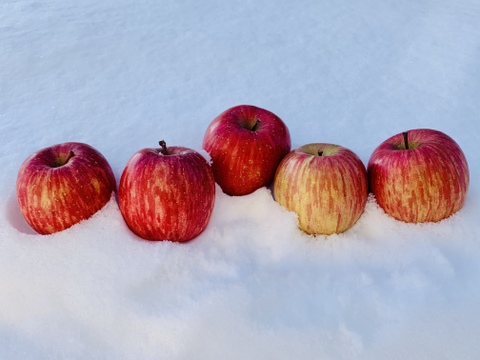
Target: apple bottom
(414, 193)
(323, 212)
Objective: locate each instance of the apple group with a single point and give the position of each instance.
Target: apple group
(168, 192)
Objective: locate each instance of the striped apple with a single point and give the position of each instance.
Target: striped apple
(63, 184)
(167, 193)
(325, 184)
(420, 175)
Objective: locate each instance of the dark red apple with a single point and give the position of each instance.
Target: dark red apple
(246, 144)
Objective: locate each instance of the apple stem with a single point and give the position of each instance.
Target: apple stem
(255, 126)
(405, 139)
(70, 155)
(320, 152)
(163, 144)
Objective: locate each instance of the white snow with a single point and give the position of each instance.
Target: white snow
(122, 75)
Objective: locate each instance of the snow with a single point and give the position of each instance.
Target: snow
(122, 75)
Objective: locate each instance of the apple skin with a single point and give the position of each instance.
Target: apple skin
(63, 184)
(246, 144)
(167, 193)
(427, 182)
(325, 184)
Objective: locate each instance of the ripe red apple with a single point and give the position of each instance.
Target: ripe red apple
(419, 175)
(167, 193)
(63, 184)
(246, 144)
(325, 184)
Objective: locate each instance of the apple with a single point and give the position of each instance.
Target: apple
(63, 184)
(419, 175)
(167, 193)
(246, 144)
(325, 184)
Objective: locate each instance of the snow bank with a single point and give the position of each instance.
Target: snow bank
(251, 285)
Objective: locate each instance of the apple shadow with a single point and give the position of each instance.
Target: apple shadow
(15, 217)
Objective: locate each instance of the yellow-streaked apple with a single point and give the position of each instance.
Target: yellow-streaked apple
(325, 184)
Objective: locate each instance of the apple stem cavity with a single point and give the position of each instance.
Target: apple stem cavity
(163, 150)
(405, 139)
(320, 152)
(62, 161)
(70, 155)
(255, 126)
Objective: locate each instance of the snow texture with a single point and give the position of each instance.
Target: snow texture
(122, 75)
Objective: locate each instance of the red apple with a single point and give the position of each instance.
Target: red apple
(167, 193)
(325, 184)
(63, 184)
(246, 144)
(419, 176)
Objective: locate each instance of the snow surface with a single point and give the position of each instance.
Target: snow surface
(122, 75)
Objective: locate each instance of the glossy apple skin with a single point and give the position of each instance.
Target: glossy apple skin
(62, 185)
(426, 183)
(245, 156)
(328, 192)
(167, 197)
